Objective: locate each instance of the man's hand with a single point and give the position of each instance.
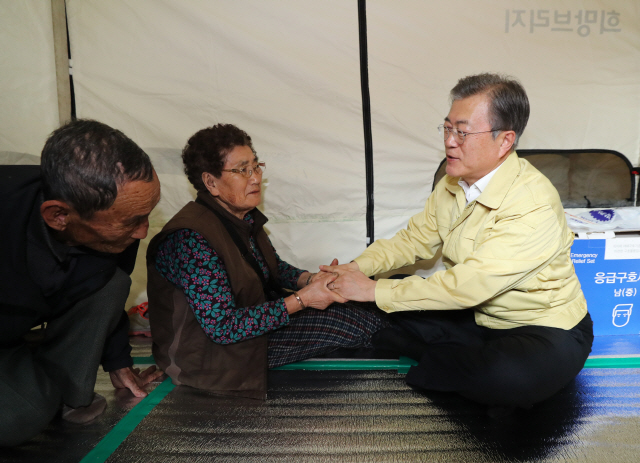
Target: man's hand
(132, 379)
(335, 268)
(351, 283)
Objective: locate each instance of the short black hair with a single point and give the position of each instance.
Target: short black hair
(509, 107)
(85, 161)
(207, 150)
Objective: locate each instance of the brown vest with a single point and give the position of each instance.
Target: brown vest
(180, 346)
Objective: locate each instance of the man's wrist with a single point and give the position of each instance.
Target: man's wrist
(117, 364)
(372, 291)
(354, 265)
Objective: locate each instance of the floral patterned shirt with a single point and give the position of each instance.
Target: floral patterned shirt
(187, 260)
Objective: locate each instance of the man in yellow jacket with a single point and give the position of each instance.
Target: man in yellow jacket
(506, 324)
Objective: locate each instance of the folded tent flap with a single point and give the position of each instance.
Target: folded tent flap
(583, 178)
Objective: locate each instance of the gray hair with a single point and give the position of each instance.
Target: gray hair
(84, 162)
(509, 105)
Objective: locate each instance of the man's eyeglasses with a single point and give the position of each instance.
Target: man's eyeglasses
(458, 135)
(247, 172)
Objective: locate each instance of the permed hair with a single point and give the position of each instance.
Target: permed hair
(207, 150)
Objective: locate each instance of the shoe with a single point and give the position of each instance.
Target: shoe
(139, 320)
(83, 415)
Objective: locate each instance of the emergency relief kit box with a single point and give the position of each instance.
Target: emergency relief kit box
(609, 273)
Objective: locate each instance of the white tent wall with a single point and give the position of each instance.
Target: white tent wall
(287, 72)
(579, 61)
(28, 98)
(583, 82)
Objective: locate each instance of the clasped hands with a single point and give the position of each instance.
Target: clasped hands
(334, 283)
(349, 282)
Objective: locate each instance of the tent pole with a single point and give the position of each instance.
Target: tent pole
(366, 117)
(59, 20)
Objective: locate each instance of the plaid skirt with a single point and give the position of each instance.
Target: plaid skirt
(315, 332)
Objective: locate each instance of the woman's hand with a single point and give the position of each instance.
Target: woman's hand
(316, 295)
(307, 277)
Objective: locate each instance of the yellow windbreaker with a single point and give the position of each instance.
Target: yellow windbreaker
(506, 254)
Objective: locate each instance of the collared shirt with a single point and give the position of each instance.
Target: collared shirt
(472, 192)
(506, 254)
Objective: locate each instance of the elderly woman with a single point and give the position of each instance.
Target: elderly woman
(219, 316)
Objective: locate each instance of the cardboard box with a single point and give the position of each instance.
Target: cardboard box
(609, 272)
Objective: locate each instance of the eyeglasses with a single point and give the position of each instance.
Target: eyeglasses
(247, 172)
(458, 135)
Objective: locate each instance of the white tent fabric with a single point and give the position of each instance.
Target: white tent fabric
(578, 60)
(28, 95)
(288, 73)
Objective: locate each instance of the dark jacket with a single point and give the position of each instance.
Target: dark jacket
(180, 345)
(41, 278)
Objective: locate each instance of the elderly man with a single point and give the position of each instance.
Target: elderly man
(506, 324)
(69, 239)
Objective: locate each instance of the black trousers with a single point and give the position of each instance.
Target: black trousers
(36, 381)
(511, 367)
